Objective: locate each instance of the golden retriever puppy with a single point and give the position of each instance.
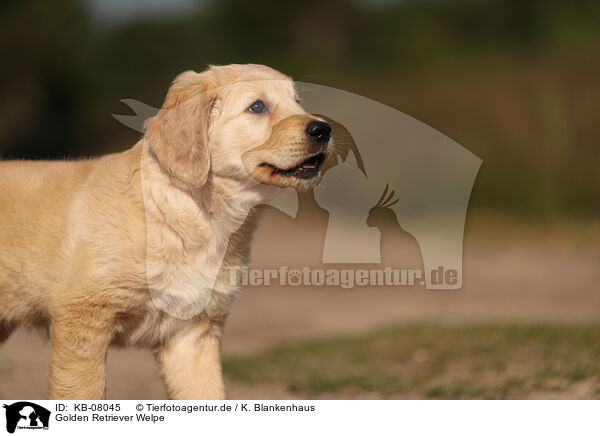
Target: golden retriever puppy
(132, 248)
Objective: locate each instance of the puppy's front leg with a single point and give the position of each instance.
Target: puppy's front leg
(79, 343)
(191, 363)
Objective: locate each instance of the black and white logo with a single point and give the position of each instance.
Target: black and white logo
(27, 416)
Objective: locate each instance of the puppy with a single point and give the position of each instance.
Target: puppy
(133, 248)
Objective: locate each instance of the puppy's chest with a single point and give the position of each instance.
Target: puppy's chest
(184, 275)
(179, 291)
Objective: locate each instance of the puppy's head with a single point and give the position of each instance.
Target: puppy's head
(238, 121)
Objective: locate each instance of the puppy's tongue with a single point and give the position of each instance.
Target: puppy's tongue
(309, 164)
(307, 169)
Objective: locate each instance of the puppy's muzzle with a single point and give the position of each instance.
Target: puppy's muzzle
(293, 154)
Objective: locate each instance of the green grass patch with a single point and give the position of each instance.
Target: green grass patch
(433, 361)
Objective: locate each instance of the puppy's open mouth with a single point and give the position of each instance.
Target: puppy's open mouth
(307, 169)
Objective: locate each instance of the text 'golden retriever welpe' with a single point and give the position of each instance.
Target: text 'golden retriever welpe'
(133, 248)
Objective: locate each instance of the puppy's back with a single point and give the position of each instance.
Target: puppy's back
(35, 196)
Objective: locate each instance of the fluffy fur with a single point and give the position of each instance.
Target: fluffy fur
(130, 248)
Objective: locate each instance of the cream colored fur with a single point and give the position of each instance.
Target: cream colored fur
(131, 248)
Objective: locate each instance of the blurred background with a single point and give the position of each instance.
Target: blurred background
(515, 82)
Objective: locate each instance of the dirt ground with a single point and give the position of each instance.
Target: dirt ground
(513, 272)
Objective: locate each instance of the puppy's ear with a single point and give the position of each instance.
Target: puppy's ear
(178, 134)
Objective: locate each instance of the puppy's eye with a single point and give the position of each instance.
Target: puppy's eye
(258, 107)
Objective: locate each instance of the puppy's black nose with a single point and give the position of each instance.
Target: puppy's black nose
(318, 131)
